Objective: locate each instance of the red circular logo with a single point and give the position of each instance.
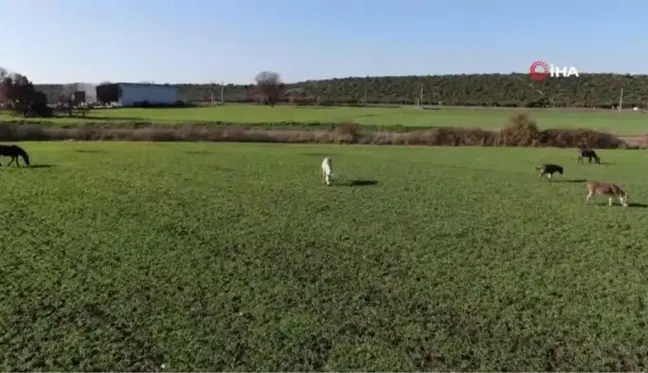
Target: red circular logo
(539, 70)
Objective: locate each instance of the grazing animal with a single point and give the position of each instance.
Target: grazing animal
(589, 154)
(549, 169)
(327, 170)
(14, 151)
(607, 189)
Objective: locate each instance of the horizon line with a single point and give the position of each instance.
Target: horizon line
(343, 78)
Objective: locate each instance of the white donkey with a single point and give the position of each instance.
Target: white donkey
(327, 170)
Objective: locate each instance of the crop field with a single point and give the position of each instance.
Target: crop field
(626, 123)
(188, 257)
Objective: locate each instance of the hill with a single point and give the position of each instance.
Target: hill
(504, 90)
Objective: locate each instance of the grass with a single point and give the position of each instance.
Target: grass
(626, 123)
(234, 257)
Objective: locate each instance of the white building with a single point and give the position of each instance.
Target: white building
(133, 94)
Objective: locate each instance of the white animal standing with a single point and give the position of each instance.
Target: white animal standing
(327, 170)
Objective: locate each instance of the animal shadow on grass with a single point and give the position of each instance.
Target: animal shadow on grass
(570, 181)
(616, 204)
(89, 151)
(38, 166)
(600, 164)
(360, 183)
(43, 165)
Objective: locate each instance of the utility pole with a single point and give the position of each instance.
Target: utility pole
(222, 92)
(421, 96)
(211, 93)
(620, 101)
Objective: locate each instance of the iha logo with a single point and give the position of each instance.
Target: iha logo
(541, 70)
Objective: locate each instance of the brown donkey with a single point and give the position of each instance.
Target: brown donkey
(607, 189)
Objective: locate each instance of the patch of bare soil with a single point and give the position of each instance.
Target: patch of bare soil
(636, 140)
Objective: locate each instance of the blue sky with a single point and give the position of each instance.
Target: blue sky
(180, 41)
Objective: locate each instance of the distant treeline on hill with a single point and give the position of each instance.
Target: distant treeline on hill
(503, 90)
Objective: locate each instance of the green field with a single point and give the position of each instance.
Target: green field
(626, 123)
(124, 257)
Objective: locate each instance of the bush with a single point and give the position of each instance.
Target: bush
(520, 131)
(346, 132)
(581, 138)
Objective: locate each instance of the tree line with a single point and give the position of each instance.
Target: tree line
(503, 90)
(17, 93)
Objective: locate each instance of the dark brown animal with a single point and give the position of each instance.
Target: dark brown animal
(607, 189)
(589, 154)
(549, 169)
(14, 151)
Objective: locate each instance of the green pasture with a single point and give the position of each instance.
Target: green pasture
(626, 123)
(235, 257)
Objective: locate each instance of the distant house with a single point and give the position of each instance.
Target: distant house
(137, 94)
(85, 92)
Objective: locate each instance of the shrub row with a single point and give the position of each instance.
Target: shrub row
(520, 131)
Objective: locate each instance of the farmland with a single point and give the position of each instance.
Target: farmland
(124, 257)
(625, 123)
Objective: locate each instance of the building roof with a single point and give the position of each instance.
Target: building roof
(126, 84)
